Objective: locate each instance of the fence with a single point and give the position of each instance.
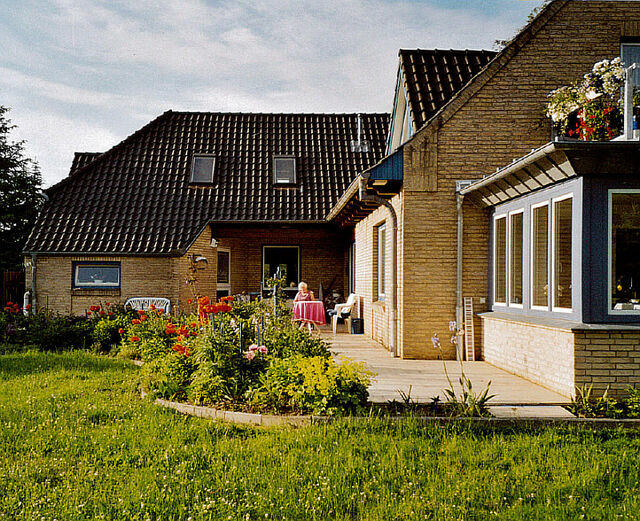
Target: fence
(12, 287)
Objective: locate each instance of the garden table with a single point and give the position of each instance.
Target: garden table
(309, 313)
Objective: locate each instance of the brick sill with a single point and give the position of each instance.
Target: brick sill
(95, 292)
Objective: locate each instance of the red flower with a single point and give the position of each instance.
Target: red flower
(204, 301)
(160, 311)
(108, 303)
(143, 318)
(135, 321)
(189, 301)
(141, 312)
(102, 313)
(9, 303)
(193, 325)
(120, 331)
(88, 312)
(94, 308)
(135, 339)
(110, 313)
(152, 306)
(28, 307)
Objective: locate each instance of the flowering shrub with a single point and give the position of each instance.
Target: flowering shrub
(313, 385)
(591, 109)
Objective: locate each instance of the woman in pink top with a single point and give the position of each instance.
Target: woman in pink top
(303, 293)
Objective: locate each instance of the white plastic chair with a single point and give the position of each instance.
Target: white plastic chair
(340, 310)
(145, 303)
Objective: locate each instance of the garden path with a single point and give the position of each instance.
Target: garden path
(424, 379)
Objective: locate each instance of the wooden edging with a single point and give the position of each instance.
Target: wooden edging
(269, 420)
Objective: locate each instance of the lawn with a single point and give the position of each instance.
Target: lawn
(78, 443)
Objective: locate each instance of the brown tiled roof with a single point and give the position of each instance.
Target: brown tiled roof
(433, 77)
(81, 159)
(136, 198)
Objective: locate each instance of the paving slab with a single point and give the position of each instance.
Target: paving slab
(422, 380)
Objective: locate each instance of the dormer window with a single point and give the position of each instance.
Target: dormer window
(284, 170)
(202, 169)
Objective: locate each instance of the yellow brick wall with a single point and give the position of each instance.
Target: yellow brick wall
(376, 314)
(544, 355)
(503, 120)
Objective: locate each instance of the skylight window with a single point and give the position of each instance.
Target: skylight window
(202, 169)
(284, 170)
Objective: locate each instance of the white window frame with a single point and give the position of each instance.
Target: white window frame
(629, 44)
(552, 262)
(381, 252)
(496, 218)
(275, 170)
(111, 285)
(532, 254)
(222, 286)
(213, 169)
(509, 266)
(610, 309)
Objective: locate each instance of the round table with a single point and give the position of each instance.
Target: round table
(309, 312)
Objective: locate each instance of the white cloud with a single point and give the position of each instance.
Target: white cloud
(83, 74)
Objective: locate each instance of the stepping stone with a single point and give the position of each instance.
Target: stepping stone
(530, 411)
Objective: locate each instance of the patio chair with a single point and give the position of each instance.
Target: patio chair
(145, 303)
(342, 311)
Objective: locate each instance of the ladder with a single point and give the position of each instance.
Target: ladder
(469, 342)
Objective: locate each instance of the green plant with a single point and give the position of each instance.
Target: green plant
(313, 385)
(585, 405)
(632, 403)
(468, 403)
(168, 376)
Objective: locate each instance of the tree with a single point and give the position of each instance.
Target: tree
(20, 199)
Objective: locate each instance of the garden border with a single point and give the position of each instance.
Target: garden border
(270, 420)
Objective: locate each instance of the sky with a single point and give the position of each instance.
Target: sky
(82, 75)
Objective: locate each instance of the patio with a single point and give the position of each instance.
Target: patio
(424, 379)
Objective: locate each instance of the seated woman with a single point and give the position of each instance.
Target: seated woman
(303, 293)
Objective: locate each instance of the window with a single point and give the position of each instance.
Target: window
(562, 231)
(381, 259)
(630, 54)
(284, 260)
(540, 256)
(284, 170)
(500, 260)
(202, 169)
(96, 274)
(224, 271)
(515, 258)
(624, 251)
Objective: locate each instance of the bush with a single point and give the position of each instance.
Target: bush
(168, 376)
(106, 335)
(315, 385)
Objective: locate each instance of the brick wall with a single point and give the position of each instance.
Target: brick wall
(563, 359)
(607, 359)
(323, 260)
(377, 314)
(323, 251)
(503, 120)
(541, 354)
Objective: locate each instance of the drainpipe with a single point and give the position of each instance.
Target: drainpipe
(394, 274)
(459, 307)
(34, 258)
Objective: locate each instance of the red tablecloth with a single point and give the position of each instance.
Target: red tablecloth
(309, 311)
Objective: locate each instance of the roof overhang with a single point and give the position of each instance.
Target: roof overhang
(553, 163)
(383, 179)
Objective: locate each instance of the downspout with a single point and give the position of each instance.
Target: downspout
(394, 274)
(459, 306)
(34, 259)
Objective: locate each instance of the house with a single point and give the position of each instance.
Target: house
(425, 226)
(416, 214)
(246, 192)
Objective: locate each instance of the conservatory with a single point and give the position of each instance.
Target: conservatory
(564, 272)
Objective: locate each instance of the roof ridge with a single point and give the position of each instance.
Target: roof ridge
(436, 49)
(234, 113)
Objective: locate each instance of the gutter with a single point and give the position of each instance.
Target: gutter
(394, 242)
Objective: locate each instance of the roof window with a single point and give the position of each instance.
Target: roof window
(202, 169)
(284, 170)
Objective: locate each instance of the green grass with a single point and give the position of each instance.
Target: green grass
(76, 442)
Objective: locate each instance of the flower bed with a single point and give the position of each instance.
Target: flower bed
(242, 356)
